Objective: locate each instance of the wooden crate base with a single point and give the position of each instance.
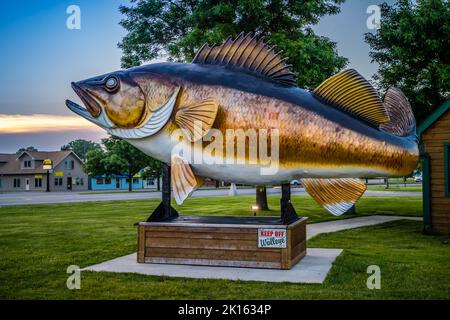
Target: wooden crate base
(220, 241)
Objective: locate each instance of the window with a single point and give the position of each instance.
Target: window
(107, 180)
(79, 181)
(99, 180)
(16, 183)
(38, 182)
(150, 182)
(58, 181)
(135, 180)
(69, 164)
(27, 164)
(447, 169)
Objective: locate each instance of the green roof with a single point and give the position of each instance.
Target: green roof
(432, 118)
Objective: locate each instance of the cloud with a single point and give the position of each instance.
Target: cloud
(40, 123)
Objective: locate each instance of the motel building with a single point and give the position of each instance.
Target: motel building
(25, 171)
(120, 182)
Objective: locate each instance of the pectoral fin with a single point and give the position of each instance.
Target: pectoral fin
(183, 180)
(197, 119)
(335, 195)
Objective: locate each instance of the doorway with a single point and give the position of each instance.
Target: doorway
(117, 183)
(69, 183)
(27, 184)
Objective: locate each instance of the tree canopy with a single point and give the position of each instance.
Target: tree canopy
(30, 148)
(177, 29)
(412, 48)
(118, 157)
(81, 147)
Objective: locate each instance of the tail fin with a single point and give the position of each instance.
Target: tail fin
(401, 118)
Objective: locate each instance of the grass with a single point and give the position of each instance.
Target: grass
(417, 188)
(114, 191)
(240, 206)
(39, 242)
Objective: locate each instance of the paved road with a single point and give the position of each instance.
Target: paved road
(20, 198)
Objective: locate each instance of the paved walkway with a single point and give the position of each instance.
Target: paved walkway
(313, 268)
(21, 198)
(315, 229)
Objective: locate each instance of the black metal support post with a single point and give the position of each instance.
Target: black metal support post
(288, 214)
(48, 181)
(164, 211)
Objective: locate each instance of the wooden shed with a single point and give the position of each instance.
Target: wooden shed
(434, 134)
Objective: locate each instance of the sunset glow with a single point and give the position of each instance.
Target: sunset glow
(43, 123)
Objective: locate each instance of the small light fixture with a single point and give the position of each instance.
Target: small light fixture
(254, 209)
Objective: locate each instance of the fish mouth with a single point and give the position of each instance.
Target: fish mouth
(91, 104)
(92, 111)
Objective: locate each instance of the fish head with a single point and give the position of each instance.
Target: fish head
(127, 103)
(114, 100)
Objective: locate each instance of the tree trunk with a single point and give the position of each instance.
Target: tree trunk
(217, 184)
(158, 183)
(387, 183)
(261, 198)
(130, 183)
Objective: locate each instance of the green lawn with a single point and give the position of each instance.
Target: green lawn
(114, 191)
(38, 243)
(417, 188)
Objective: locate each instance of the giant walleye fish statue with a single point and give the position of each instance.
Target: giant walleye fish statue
(328, 137)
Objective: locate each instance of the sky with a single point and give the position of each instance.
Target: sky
(40, 57)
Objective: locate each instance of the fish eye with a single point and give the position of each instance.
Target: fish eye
(111, 83)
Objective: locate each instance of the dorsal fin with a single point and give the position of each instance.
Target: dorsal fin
(249, 54)
(349, 91)
(401, 117)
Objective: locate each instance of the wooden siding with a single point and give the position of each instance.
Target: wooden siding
(434, 139)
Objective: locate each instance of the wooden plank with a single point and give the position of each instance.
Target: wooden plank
(202, 244)
(298, 249)
(438, 188)
(297, 259)
(200, 229)
(437, 182)
(202, 235)
(441, 201)
(300, 234)
(439, 136)
(141, 244)
(440, 210)
(286, 253)
(222, 263)
(214, 254)
(437, 173)
(441, 230)
(440, 218)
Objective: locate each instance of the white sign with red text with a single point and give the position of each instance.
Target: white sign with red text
(272, 238)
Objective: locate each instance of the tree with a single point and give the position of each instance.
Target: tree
(118, 157)
(261, 198)
(412, 50)
(177, 29)
(31, 148)
(153, 171)
(81, 147)
(95, 162)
